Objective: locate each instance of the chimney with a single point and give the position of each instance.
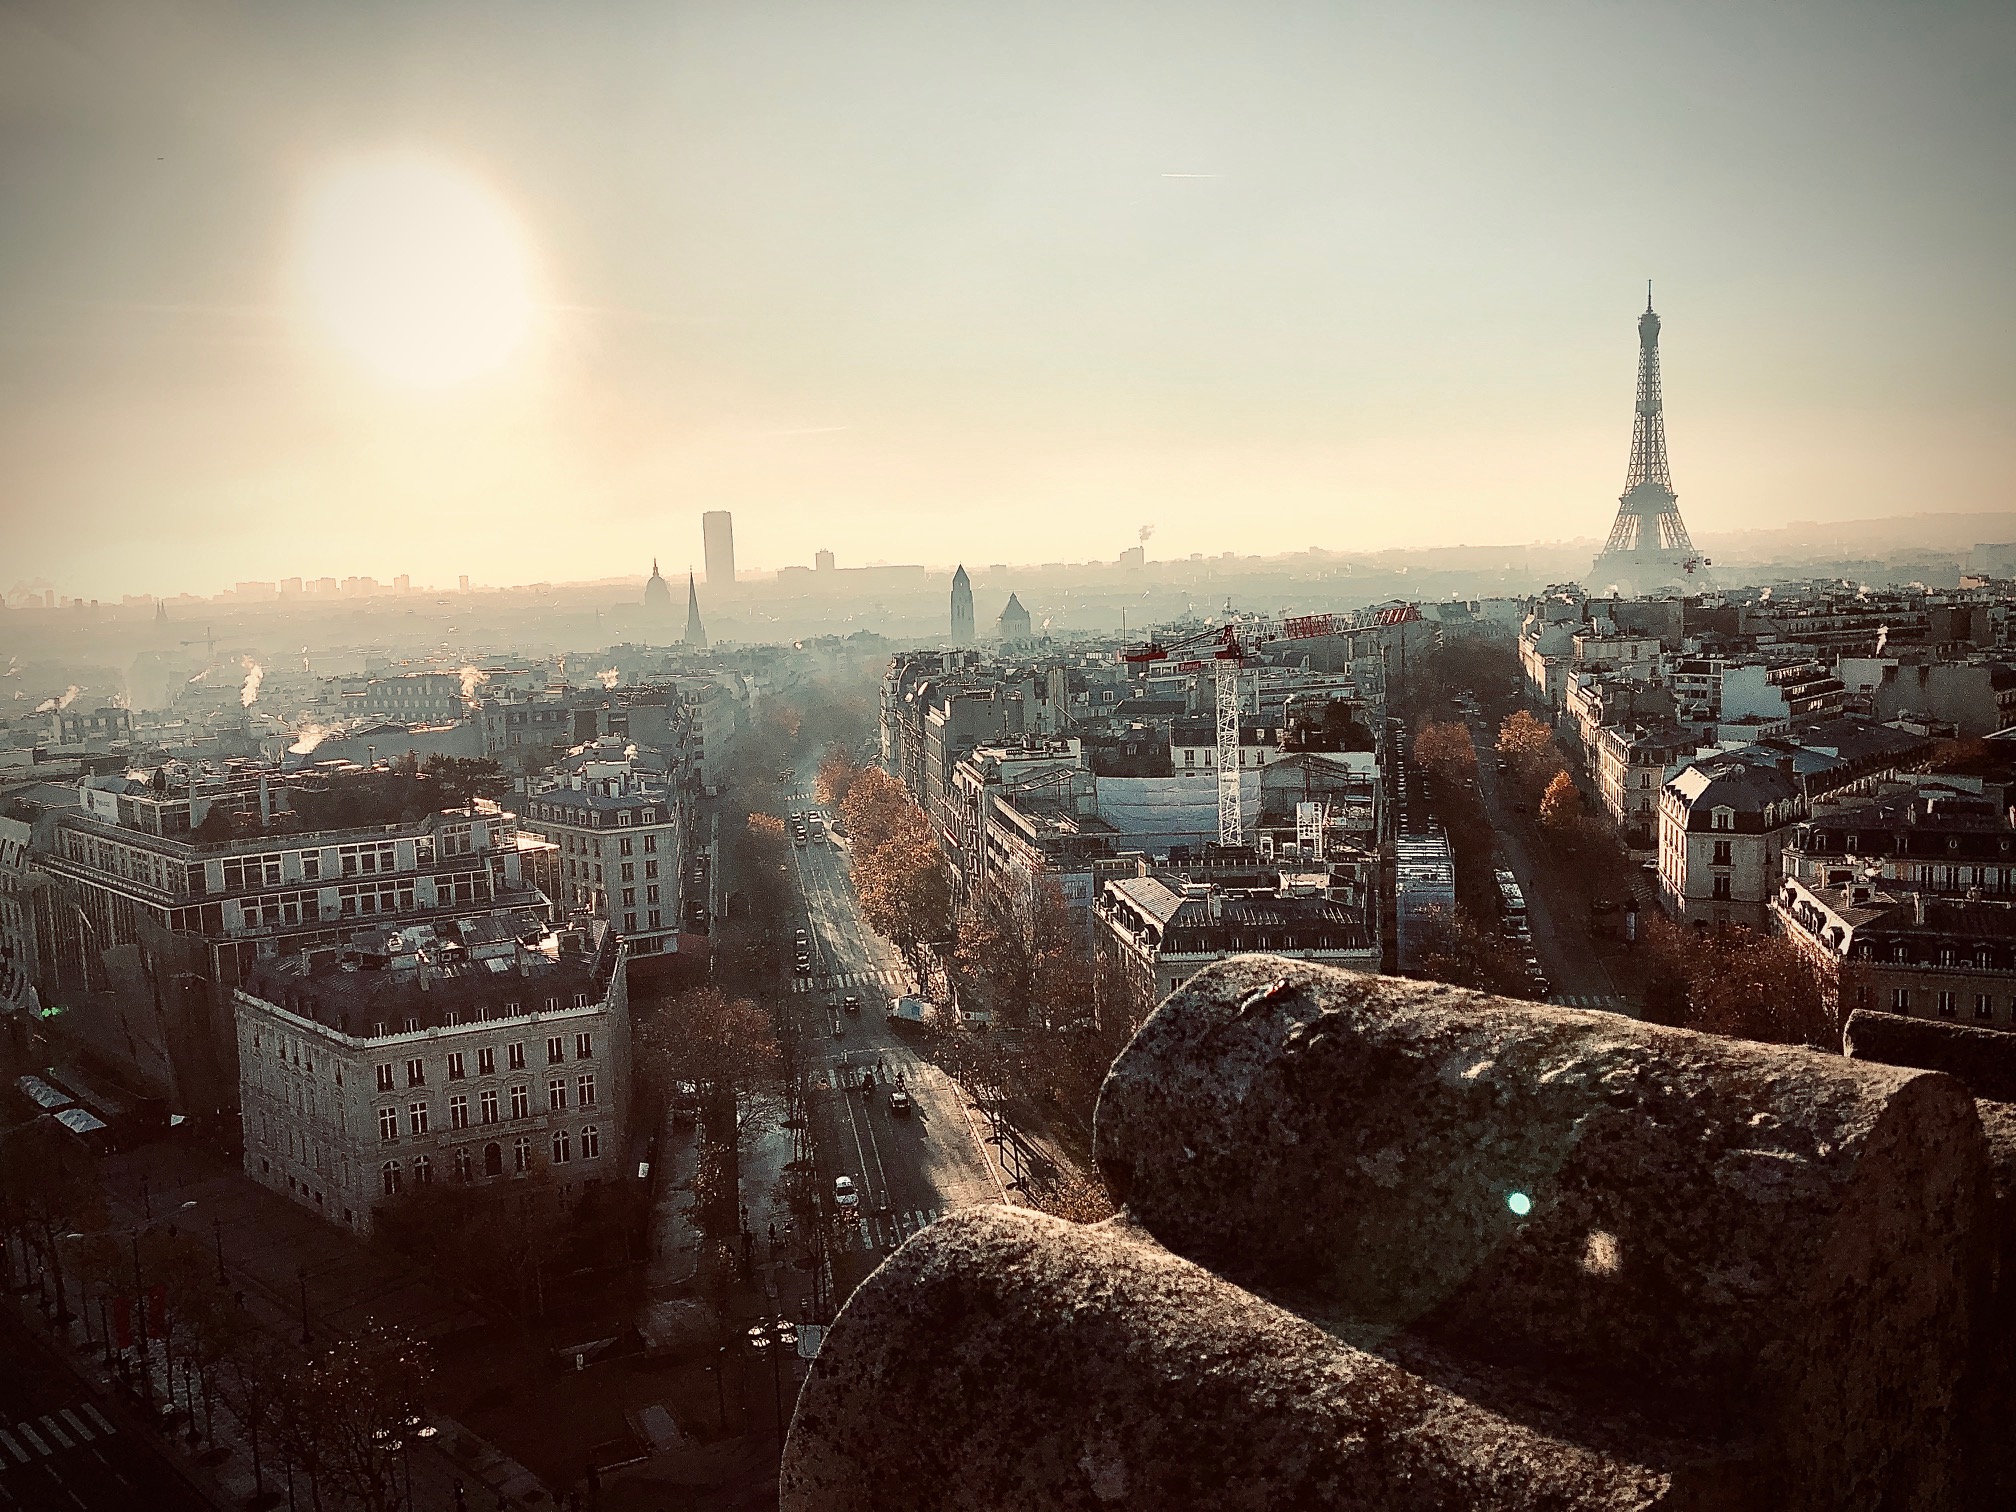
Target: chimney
(265, 803)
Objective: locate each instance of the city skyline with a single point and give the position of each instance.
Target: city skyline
(1359, 279)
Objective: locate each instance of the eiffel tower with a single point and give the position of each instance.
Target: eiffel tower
(1649, 549)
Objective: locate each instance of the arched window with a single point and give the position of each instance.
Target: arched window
(521, 1153)
(493, 1160)
(560, 1146)
(591, 1142)
(390, 1172)
(423, 1170)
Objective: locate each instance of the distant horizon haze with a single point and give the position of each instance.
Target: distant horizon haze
(521, 293)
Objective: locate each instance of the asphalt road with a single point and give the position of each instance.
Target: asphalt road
(1578, 975)
(62, 1446)
(911, 1168)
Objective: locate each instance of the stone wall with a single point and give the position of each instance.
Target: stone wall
(1388, 1244)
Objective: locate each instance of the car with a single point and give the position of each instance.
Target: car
(845, 1194)
(1543, 987)
(851, 1003)
(803, 965)
(801, 937)
(899, 1101)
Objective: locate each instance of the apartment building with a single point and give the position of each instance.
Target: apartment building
(617, 826)
(488, 1052)
(1159, 930)
(168, 886)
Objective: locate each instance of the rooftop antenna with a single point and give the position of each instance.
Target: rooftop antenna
(1648, 293)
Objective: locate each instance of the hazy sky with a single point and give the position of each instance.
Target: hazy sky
(993, 281)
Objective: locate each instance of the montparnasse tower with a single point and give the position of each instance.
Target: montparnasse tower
(1649, 550)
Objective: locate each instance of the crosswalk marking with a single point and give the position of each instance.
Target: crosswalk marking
(98, 1418)
(34, 1439)
(13, 1446)
(49, 1426)
(76, 1424)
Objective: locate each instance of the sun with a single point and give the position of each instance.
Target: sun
(416, 270)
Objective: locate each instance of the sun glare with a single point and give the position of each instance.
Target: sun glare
(416, 270)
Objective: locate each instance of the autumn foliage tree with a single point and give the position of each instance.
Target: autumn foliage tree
(1464, 952)
(1738, 982)
(898, 872)
(1021, 956)
(837, 771)
(1529, 749)
(1445, 752)
(1560, 805)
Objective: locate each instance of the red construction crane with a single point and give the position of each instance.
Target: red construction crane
(1229, 645)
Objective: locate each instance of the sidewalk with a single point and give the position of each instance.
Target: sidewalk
(272, 1250)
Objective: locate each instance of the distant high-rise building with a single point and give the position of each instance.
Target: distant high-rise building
(822, 561)
(717, 533)
(1014, 621)
(962, 608)
(1134, 556)
(290, 587)
(464, 581)
(402, 583)
(696, 633)
(1649, 548)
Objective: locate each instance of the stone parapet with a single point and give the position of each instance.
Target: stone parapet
(1391, 1244)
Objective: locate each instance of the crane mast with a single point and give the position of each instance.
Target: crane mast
(1233, 642)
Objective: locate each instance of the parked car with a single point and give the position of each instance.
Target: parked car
(845, 1194)
(899, 1102)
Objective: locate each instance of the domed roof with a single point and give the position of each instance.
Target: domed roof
(657, 592)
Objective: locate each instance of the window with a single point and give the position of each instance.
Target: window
(629, 897)
(629, 871)
(584, 1089)
(416, 1073)
(630, 923)
(1724, 853)
(521, 1101)
(389, 1173)
(455, 1066)
(650, 842)
(458, 1112)
(465, 1165)
(493, 1160)
(556, 1093)
(559, 1146)
(650, 870)
(514, 1055)
(1984, 1005)
(556, 1047)
(1947, 1001)
(521, 1153)
(486, 1061)
(591, 1142)
(651, 895)
(388, 1123)
(1721, 888)
(623, 848)
(1900, 1000)
(489, 1105)
(584, 1046)
(416, 1118)
(385, 1076)
(423, 1171)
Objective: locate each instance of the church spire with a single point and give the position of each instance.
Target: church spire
(696, 633)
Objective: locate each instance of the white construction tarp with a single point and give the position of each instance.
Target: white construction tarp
(1174, 809)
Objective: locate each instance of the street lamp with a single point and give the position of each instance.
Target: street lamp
(301, 1275)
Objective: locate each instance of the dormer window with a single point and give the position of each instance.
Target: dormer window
(1724, 819)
